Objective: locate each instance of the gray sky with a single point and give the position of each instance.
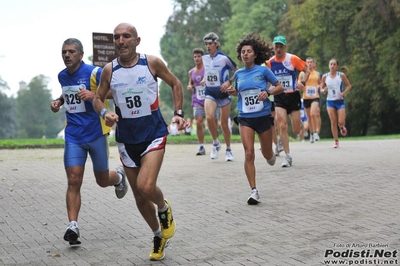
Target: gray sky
(32, 32)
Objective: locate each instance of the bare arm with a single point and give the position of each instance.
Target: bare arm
(229, 82)
(103, 92)
(103, 89)
(306, 73)
(323, 84)
(346, 82)
(159, 69)
(190, 85)
(299, 85)
(319, 78)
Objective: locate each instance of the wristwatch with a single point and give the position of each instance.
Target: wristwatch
(179, 113)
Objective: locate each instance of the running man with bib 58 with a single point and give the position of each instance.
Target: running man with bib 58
(141, 133)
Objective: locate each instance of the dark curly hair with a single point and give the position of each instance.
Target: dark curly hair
(262, 49)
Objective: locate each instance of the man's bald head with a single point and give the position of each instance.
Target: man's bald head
(126, 27)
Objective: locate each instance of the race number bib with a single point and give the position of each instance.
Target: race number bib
(133, 102)
(72, 103)
(286, 83)
(212, 78)
(333, 94)
(200, 92)
(250, 102)
(311, 91)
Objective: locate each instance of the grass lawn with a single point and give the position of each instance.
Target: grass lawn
(182, 139)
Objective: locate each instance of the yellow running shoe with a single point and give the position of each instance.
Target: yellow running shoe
(158, 248)
(167, 222)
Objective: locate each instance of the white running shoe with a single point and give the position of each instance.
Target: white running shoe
(287, 162)
(72, 234)
(122, 187)
(272, 160)
(280, 146)
(228, 156)
(311, 138)
(202, 151)
(254, 198)
(316, 136)
(215, 150)
(276, 150)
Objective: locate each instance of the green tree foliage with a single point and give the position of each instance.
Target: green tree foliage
(8, 130)
(252, 16)
(34, 116)
(362, 35)
(7, 116)
(185, 29)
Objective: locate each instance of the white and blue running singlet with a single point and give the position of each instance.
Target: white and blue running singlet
(335, 86)
(135, 94)
(285, 72)
(216, 73)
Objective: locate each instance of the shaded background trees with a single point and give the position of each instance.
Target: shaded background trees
(185, 29)
(362, 35)
(8, 130)
(34, 117)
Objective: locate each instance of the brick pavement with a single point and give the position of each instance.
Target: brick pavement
(328, 199)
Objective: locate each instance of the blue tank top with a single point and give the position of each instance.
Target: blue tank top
(83, 123)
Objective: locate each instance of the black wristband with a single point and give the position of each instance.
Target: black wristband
(179, 113)
(303, 82)
(268, 93)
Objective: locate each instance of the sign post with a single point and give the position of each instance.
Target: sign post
(103, 49)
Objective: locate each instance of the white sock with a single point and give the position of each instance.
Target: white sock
(74, 223)
(164, 208)
(158, 233)
(120, 178)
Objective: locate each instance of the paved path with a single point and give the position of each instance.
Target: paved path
(329, 201)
